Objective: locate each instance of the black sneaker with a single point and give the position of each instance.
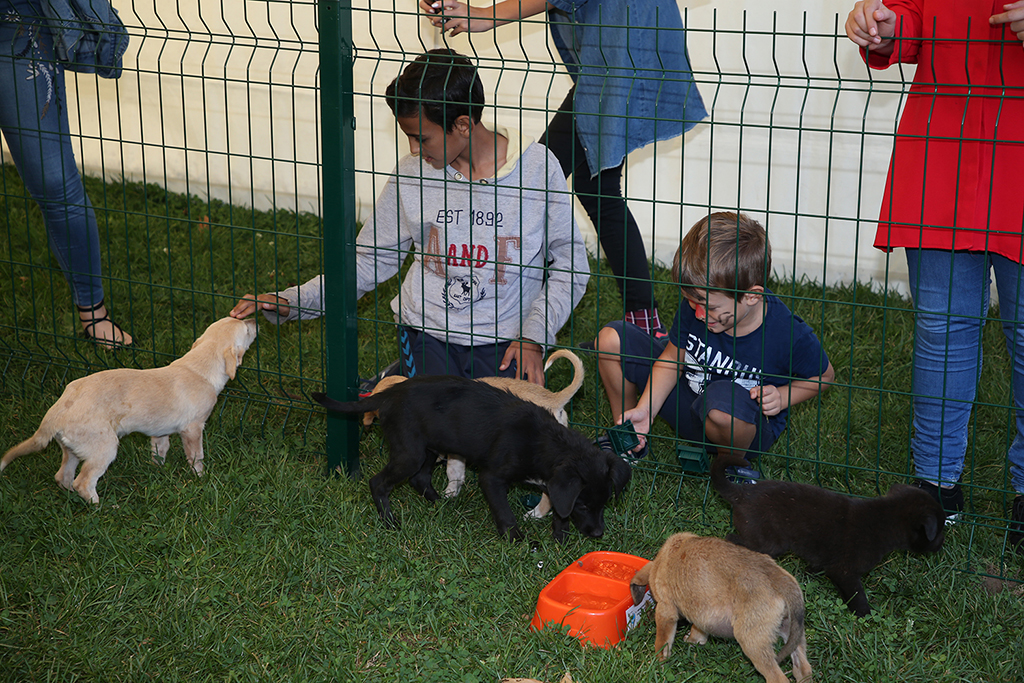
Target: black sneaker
(604, 442)
(1017, 524)
(742, 475)
(951, 499)
(366, 388)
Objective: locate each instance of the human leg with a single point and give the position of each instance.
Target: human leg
(732, 421)
(626, 354)
(950, 292)
(34, 121)
(1010, 285)
(601, 197)
(425, 354)
(622, 395)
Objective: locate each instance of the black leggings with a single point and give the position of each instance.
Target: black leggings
(602, 199)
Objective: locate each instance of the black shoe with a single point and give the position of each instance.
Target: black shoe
(742, 475)
(1017, 524)
(951, 499)
(604, 442)
(366, 388)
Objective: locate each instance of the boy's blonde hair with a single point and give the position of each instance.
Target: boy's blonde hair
(724, 251)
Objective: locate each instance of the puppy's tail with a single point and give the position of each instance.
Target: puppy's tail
(566, 394)
(795, 608)
(727, 489)
(33, 444)
(369, 403)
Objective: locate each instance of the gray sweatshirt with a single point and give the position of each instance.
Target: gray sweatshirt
(481, 251)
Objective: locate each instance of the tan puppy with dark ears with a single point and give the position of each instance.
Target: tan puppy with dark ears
(94, 412)
(727, 591)
(553, 402)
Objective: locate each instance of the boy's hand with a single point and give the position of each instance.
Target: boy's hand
(249, 304)
(769, 397)
(458, 17)
(641, 421)
(871, 24)
(1014, 16)
(528, 356)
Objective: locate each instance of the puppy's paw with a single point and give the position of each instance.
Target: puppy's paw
(453, 488)
(535, 513)
(696, 636)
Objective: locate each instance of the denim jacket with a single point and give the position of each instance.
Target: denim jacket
(88, 36)
(633, 81)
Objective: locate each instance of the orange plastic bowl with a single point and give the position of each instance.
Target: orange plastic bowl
(592, 597)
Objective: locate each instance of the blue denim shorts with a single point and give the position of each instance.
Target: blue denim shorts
(685, 410)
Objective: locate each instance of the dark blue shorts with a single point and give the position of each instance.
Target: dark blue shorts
(685, 410)
(423, 354)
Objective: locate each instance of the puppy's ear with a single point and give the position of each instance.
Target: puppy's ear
(230, 363)
(563, 490)
(641, 580)
(930, 527)
(619, 473)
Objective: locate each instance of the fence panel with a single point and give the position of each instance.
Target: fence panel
(203, 164)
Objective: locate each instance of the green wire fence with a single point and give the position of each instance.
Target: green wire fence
(245, 142)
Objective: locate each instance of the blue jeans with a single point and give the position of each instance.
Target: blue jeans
(34, 122)
(951, 300)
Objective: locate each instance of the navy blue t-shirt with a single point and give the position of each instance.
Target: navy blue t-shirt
(782, 349)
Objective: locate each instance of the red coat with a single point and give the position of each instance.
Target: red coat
(956, 179)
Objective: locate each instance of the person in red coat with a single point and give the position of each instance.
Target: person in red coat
(953, 202)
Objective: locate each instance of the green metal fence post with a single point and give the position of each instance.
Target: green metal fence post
(339, 226)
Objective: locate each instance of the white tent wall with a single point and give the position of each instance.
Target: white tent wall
(220, 101)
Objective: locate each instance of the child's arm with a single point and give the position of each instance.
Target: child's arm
(459, 17)
(386, 236)
(303, 302)
(250, 303)
(664, 377)
(564, 258)
(775, 399)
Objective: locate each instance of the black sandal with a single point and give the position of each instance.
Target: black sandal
(87, 327)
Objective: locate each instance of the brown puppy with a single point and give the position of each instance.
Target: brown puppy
(842, 536)
(534, 393)
(94, 412)
(727, 591)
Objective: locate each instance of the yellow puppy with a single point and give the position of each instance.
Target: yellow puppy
(727, 591)
(94, 412)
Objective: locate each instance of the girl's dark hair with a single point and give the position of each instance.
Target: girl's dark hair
(442, 84)
(724, 251)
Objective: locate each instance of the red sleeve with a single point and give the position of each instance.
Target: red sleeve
(909, 22)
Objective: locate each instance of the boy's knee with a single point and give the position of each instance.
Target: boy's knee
(722, 420)
(609, 341)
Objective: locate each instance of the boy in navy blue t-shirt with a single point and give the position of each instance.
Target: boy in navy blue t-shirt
(736, 357)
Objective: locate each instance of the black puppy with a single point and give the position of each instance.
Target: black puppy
(844, 537)
(505, 439)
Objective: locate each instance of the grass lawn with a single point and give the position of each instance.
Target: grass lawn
(264, 569)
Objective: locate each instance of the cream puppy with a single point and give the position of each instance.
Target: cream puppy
(94, 412)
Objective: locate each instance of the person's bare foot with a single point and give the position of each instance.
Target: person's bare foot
(103, 331)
